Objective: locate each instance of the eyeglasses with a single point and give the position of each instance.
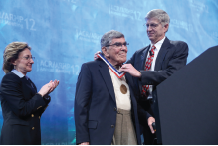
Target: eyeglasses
(28, 58)
(152, 25)
(119, 44)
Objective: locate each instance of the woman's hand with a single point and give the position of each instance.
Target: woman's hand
(48, 88)
(54, 85)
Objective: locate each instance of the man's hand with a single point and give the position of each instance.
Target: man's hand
(130, 69)
(150, 121)
(95, 56)
(84, 143)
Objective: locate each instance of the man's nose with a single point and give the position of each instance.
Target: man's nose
(149, 28)
(124, 48)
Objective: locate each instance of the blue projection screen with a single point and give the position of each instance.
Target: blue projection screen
(64, 34)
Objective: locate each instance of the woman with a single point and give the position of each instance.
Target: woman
(22, 106)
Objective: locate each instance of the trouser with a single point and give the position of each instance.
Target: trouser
(124, 133)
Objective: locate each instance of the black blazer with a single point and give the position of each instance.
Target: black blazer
(171, 57)
(95, 105)
(22, 109)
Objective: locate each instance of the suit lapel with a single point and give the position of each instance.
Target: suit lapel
(129, 81)
(162, 53)
(33, 85)
(104, 70)
(28, 89)
(143, 57)
(142, 63)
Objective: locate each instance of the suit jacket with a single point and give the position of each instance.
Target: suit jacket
(22, 109)
(171, 57)
(95, 105)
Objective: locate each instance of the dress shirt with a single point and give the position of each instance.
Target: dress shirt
(156, 51)
(122, 100)
(20, 74)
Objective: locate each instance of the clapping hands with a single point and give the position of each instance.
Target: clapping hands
(48, 88)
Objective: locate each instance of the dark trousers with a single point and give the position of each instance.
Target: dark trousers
(149, 138)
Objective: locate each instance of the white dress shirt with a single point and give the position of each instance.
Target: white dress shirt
(156, 51)
(122, 100)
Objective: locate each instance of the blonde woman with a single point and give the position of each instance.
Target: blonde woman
(22, 106)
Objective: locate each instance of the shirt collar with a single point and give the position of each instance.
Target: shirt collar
(159, 43)
(20, 74)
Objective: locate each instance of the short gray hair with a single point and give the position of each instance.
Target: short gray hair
(108, 36)
(159, 14)
(12, 52)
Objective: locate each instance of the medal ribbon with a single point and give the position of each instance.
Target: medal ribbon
(118, 74)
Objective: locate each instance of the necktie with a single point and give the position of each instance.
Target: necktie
(148, 63)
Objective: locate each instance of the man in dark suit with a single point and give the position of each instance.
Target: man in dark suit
(105, 105)
(153, 64)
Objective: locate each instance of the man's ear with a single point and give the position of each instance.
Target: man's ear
(104, 50)
(166, 26)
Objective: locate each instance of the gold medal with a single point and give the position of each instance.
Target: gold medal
(123, 89)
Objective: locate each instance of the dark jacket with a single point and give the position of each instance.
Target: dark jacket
(95, 105)
(22, 109)
(171, 57)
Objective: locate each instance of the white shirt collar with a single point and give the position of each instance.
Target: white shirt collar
(159, 43)
(20, 74)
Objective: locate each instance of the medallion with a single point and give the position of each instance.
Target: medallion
(123, 89)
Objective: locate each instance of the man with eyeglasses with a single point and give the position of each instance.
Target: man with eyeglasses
(151, 65)
(105, 105)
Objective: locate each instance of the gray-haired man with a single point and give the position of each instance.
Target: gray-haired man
(105, 105)
(153, 64)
